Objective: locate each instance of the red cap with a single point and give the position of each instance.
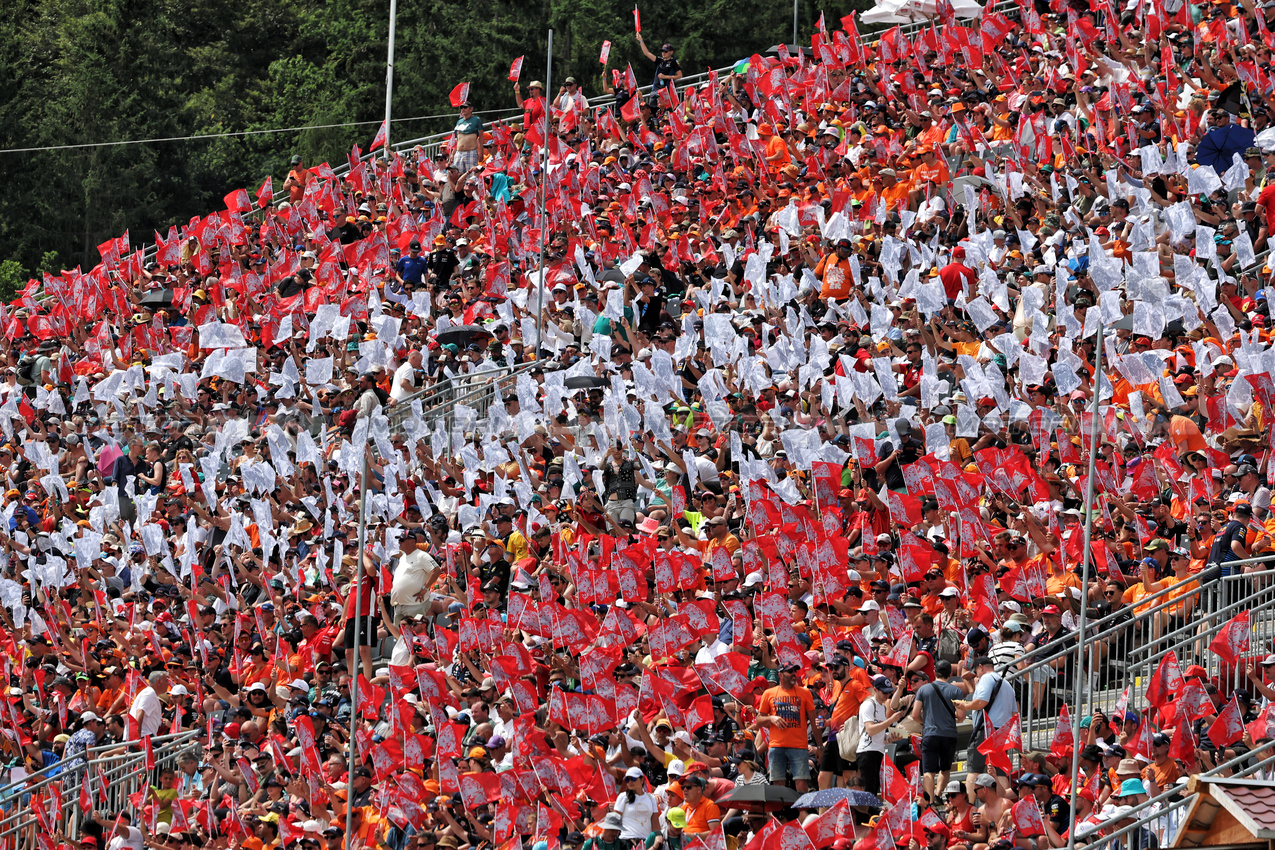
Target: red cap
(1195, 670)
(958, 253)
(1051, 609)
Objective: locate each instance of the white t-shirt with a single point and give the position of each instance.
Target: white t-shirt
(636, 816)
(401, 374)
(871, 711)
(409, 577)
(146, 710)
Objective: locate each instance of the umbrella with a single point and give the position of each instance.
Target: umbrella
(463, 335)
(158, 299)
(831, 796)
(1221, 144)
(1231, 98)
(763, 798)
(585, 382)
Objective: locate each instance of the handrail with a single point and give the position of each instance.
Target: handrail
(444, 402)
(124, 773)
(1015, 670)
(1176, 791)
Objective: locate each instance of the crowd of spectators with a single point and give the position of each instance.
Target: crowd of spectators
(790, 478)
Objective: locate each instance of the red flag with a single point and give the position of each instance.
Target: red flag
(637, 19)
(606, 52)
(1182, 747)
(237, 201)
(1141, 743)
(380, 138)
(1026, 817)
(1232, 641)
(515, 69)
(459, 95)
(894, 786)
(266, 193)
(700, 714)
(1166, 683)
(1062, 742)
(831, 825)
(631, 110)
(1229, 725)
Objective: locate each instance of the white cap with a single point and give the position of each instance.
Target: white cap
(634, 773)
(1011, 605)
(753, 579)
(163, 828)
(255, 686)
(312, 826)
(299, 685)
(870, 605)
(89, 717)
(675, 768)
(949, 591)
(683, 736)
(178, 691)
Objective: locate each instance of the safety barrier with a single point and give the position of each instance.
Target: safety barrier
(474, 392)
(121, 766)
(1123, 649)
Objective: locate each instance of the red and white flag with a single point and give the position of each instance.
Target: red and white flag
(266, 193)
(1229, 725)
(1167, 681)
(606, 52)
(515, 69)
(459, 95)
(1232, 641)
(1026, 817)
(381, 135)
(637, 19)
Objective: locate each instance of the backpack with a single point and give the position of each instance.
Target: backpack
(26, 370)
(949, 648)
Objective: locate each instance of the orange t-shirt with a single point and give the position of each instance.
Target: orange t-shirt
(698, 816)
(793, 708)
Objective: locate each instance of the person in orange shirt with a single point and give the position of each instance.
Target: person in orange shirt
(894, 192)
(834, 272)
(932, 133)
(929, 176)
(777, 154)
(850, 685)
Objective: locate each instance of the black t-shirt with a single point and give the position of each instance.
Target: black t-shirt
(443, 262)
(665, 66)
(1221, 552)
(648, 313)
(348, 232)
(621, 481)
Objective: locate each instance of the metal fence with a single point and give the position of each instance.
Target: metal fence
(475, 392)
(1122, 649)
(121, 766)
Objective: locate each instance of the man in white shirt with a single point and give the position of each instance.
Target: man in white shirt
(147, 709)
(406, 379)
(409, 593)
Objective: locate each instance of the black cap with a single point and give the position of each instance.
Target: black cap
(414, 245)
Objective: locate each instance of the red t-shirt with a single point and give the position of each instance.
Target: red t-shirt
(953, 276)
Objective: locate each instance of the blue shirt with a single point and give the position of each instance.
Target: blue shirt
(411, 269)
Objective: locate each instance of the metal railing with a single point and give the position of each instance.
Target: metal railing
(475, 391)
(124, 773)
(1163, 814)
(1123, 651)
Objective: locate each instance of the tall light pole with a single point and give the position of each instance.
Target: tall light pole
(544, 176)
(794, 24)
(389, 76)
(1087, 564)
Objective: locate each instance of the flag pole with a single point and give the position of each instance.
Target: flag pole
(544, 176)
(1087, 565)
(389, 77)
(359, 625)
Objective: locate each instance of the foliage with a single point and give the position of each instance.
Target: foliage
(89, 71)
